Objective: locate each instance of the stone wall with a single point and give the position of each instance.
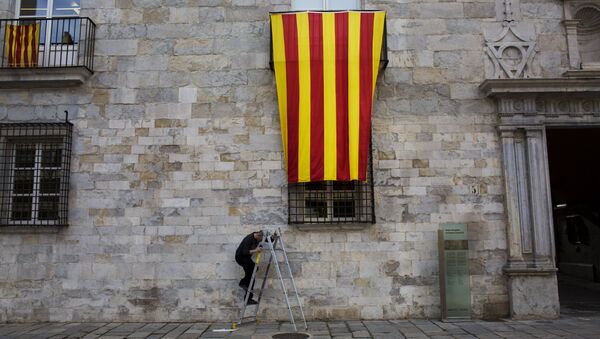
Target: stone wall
(177, 155)
(7, 9)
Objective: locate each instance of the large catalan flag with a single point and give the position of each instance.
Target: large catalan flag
(326, 66)
(22, 45)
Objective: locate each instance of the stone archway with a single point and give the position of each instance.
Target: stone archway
(588, 35)
(582, 24)
(525, 108)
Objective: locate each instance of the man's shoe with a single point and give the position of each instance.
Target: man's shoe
(251, 302)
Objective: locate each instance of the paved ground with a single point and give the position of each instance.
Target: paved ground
(578, 297)
(568, 327)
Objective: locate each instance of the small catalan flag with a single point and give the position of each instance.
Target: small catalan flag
(22, 45)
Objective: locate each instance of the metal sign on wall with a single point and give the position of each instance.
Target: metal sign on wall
(455, 289)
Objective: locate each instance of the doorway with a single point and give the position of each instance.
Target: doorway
(574, 163)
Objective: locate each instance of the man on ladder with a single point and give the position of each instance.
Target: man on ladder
(272, 242)
(243, 256)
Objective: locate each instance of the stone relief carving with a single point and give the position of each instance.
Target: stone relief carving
(582, 24)
(549, 106)
(511, 54)
(511, 48)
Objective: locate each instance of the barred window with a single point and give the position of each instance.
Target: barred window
(35, 168)
(332, 202)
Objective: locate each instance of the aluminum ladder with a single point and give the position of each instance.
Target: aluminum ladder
(269, 244)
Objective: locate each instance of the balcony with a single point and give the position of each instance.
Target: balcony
(40, 52)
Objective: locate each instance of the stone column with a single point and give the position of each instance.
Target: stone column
(533, 289)
(572, 43)
(541, 211)
(515, 256)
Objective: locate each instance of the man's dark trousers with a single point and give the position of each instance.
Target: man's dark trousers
(248, 265)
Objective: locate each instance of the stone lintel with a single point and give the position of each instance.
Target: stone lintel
(30, 229)
(526, 103)
(519, 87)
(44, 77)
(515, 270)
(582, 73)
(331, 227)
(508, 131)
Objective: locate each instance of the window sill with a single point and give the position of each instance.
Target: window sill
(43, 77)
(26, 229)
(331, 227)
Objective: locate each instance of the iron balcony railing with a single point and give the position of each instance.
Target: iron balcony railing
(33, 43)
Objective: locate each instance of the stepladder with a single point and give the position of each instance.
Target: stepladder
(273, 254)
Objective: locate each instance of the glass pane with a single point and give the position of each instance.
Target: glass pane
(23, 183)
(65, 31)
(24, 156)
(316, 209)
(343, 209)
(48, 208)
(343, 4)
(343, 186)
(50, 181)
(316, 186)
(21, 208)
(51, 156)
(34, 8)
(301, 5)
(66, 8)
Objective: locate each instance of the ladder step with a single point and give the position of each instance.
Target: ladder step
(251, 290)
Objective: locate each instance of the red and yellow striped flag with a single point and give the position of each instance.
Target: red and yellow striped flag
(326, 66)
(22, 45)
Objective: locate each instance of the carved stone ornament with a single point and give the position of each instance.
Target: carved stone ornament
(564, 101)
(511, 54)
(510, 51)
(549, 106)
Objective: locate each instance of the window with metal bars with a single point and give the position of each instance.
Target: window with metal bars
(332, 202)
(34, 173)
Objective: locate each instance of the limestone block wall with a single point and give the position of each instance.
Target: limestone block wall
(7, 9)
(552, 58)
(177, 156)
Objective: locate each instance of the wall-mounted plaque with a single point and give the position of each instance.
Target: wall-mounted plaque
(455, 288)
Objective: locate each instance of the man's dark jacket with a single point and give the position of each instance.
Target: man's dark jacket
(249, 243)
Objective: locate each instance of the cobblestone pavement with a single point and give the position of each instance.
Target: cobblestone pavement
(567, 327)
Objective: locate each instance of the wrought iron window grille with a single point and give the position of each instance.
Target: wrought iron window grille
(34, 173)
(333, 202)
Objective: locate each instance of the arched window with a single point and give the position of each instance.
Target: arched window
(588, 36)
